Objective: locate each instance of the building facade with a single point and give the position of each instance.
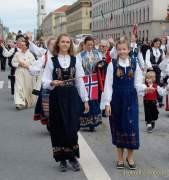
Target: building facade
(117, 17)
(61, 20)
(79, 18)
(48, 25)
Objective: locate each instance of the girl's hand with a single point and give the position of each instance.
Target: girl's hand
(56, 83)
(150, 90)
(86, 107)
(108, 110)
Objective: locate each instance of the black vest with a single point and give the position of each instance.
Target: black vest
(62, 74)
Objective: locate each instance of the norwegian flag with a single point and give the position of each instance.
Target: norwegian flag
(91, 84)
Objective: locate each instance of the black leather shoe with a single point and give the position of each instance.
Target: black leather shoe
(63, 166)
(120, 165)
(75, 164)
(131, 166)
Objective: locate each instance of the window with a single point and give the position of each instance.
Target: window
(144, 15)
(140, 17)
(42, 6)
(148, 14)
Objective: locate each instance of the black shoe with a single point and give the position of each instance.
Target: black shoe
(75, 164)
(131, 166)
(161, 105)
(120, 165)
(91, 129)
(153, 124)
(63, 166)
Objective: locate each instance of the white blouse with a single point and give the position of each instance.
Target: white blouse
(8, 53)
(108, 88)
(164, 67)
(157, 55)
(38, 65)
(64, 62)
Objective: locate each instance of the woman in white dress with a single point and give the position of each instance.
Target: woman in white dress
(23, 80)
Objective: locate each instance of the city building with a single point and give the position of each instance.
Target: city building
(48, 25)
(61, 20)
(79, 18)
(117, 17)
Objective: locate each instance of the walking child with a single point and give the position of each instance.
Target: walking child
(124, 78)
(150, 100)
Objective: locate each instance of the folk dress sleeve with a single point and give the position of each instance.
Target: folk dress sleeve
(139, 81)
(37, 67)
(15, 60)
(79, 81)
(47, 76)
(148, 63)
(7, 53)
(38, 51)
(108, 87)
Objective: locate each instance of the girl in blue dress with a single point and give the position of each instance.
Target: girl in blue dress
(119, 99)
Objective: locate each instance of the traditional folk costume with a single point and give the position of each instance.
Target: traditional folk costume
(93, 118)
(42, 105)
(64, 109)
(135, 53)
(153, 58)
(24, 82)
(123, 78)
(164, 67)
(150, 104)
(10, 54)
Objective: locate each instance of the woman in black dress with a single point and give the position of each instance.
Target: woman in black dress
(63, 76)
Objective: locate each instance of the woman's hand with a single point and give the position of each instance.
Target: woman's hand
(86, 107)
(108, 110)
(22, 64)
(56, 83)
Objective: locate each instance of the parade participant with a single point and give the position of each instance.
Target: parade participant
(150, 100)
(81, 47)
(154, 57)
(19, 35)
(23, 80)
(89, 58)
(164, 67)
(144, 47)
(37, 51)
(2, 58)
(37, 69)
(135, 52)
(163, 44)
(9, 53)
(63, 76)
(120, 102)
(102, 65)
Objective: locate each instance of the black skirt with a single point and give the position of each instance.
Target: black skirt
(151, 111)
(64, 112)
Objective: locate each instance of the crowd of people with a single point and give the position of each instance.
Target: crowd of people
(76, 85)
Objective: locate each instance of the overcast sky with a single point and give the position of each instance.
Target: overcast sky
(21, 14)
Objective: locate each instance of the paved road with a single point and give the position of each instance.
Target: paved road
(25, 149)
